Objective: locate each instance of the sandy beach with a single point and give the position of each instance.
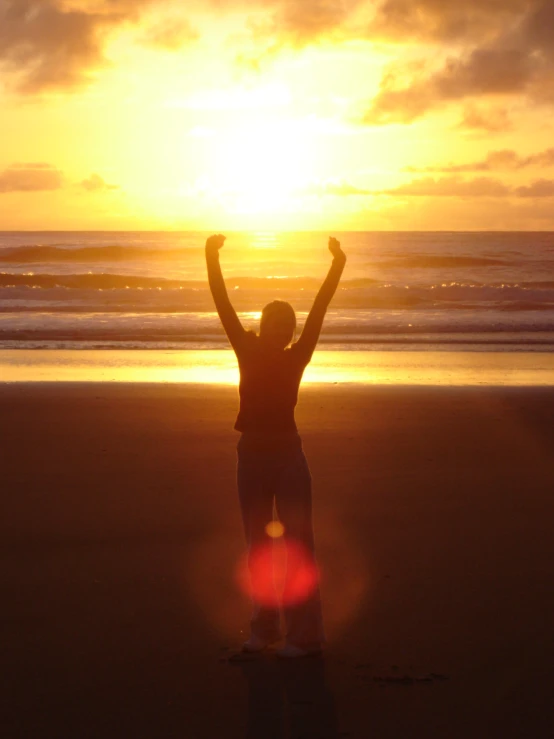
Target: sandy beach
(120, 536)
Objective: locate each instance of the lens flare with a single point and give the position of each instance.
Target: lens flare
(278, 572)
(275, 529)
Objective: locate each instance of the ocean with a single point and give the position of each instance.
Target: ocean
(400, 291)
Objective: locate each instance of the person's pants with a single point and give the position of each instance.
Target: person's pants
(272, 467)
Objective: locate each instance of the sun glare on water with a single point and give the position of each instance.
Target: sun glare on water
(265, 240)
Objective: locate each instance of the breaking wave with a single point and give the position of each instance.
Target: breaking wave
(89, 291)
(41, 254)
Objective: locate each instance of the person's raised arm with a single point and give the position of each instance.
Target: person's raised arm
(233, 327)
(310, 335)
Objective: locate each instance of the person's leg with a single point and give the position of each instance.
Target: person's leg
(256, 493)
(303, 614)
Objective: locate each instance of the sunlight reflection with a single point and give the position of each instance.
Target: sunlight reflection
(265, 240)
(219, 367)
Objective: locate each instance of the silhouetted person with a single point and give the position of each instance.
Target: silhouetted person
(271, 462)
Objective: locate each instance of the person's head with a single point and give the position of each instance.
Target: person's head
(278, 324)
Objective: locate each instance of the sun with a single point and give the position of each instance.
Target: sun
(261, 166)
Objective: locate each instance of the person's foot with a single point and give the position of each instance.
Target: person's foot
(255, 644)
(290, 651)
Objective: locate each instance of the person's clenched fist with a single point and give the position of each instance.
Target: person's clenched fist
(215, 242)
(334, 248)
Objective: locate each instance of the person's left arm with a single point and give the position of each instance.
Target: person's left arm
(312, 328)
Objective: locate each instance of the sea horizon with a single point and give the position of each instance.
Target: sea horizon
(426, 290)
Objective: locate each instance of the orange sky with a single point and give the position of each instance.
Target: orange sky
(224, 114)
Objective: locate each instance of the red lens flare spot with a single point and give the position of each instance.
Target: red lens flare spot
(278, 572)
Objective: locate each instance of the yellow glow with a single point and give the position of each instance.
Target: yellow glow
(219, 367)
(186, 153)
(265, 240)
(275, 529)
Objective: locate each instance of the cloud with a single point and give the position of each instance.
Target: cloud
(170, 34)
(341, 189)
(392, 21)
(59, 44)
(498, 48)
(451, 187)
(42, 177)
(539, 189)
(30, 178)
(482, 72)
(276, 25)
(537, 29)
(514, 59)
(504, 159)
(45, 46)
(95, 183)
(479, 187)
(300, 23)
(485, 214)
(443, 20)
(489, 120)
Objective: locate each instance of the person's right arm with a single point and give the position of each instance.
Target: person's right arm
(231, 323)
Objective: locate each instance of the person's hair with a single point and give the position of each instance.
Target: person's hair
(284, 310)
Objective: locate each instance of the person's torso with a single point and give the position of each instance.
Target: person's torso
(269, 383)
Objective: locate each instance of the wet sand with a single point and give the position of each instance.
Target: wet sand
(120, 534)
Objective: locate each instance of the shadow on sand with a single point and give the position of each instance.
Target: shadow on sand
(287, 698)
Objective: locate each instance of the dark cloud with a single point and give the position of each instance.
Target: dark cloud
(505, 159)
(485, 72)
(392, 21)
(486, 120)
(542, 159)
(300, 23)
(53, 44)
(515, 59)
(537, 29)
(45, 46)
(404, 95)
(479, 187)
(95, 183)
(30, 178)
(498, 48)
(490, 72)
(275, 25)
(444, 20)
(49, 44)
(538, 189)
